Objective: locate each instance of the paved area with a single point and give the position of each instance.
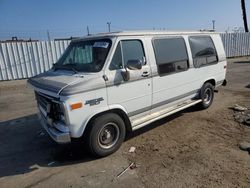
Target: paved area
(189, 149)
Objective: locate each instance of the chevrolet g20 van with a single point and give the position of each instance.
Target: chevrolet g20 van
(108, 84)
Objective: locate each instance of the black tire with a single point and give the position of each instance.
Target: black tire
(106, 134)
(207, 95)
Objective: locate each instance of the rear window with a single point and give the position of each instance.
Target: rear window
(203, 50)
(171, 55)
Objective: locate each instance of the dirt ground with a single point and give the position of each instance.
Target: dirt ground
(189, 149)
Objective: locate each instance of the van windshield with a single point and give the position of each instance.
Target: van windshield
(84, 56)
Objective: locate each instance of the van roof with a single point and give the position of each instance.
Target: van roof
(145, 33)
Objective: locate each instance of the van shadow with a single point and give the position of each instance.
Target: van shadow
(24, 146)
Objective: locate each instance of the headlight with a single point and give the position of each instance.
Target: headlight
(57, 112)
(62, 118)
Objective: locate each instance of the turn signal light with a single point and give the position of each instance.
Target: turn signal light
(76, 105)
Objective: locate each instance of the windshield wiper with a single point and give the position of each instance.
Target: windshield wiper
(74, 70)
(69, 65)
(65, 67)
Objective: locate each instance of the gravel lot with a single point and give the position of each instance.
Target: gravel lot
(189, 149)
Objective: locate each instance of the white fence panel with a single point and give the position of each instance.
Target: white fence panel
(20, 60)
(236, 44)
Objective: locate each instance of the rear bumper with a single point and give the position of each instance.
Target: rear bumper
(59, 136)
(221, 82)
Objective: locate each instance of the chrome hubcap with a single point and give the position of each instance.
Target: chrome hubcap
(207, 96)
(108, 135)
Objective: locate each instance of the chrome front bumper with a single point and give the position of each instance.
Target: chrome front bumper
(58, 133)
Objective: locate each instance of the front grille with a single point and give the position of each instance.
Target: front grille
(43, 102)
(53, 110)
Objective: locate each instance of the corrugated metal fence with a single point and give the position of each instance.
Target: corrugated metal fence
(236, 44)
(26, 59)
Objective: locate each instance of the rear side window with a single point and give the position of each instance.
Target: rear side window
(127, 50)
(203, 50)
(171, 55)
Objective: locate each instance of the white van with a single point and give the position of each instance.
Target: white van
(108, 84)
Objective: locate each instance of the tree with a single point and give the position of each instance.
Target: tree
(243, 6)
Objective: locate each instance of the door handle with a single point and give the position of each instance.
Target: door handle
(145, 74)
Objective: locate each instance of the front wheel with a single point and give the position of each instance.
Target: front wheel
(106, 134)
(206, 95)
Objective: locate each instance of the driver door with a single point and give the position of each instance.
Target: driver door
(134, 95)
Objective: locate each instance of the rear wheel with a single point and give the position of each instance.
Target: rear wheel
(106, 134)
(207, 95)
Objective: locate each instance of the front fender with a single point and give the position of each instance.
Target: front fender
(98, 112)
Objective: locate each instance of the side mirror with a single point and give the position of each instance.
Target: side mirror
(125, 75)
(134, 64)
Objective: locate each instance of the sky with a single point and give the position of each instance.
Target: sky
(33, 18)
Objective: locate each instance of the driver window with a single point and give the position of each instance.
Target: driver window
(127, 50)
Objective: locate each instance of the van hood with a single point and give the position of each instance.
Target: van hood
(63, 82)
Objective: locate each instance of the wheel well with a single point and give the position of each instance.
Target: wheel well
(119, 112)
(212, 81)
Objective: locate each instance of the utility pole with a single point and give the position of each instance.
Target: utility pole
(109, 23)
(213, 25)
(88, 30)
(48, 35)
(243, 7)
